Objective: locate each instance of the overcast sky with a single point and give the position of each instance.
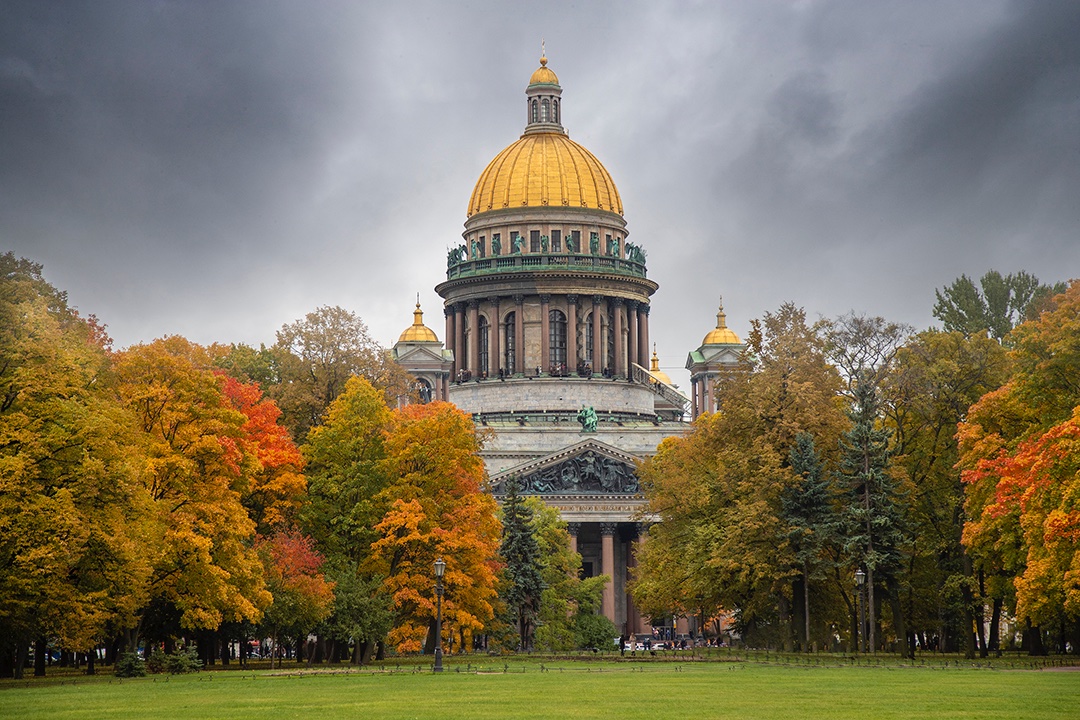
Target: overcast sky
(218, 169)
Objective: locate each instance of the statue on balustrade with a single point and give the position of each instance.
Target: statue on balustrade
(587, 418)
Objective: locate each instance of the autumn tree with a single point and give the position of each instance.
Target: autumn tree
(276, 483)
(195, 470)
(722, 542)
(302, 596)
(997, 305)
(70, 506)
(437, 508)
(315, 357)
(1018, 454)
(520, 553)
(937, 376)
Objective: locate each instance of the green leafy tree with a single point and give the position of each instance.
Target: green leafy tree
(936, 378)
(997, 305)
(521, 554)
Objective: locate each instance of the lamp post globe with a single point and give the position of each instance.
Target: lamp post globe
(440, 569)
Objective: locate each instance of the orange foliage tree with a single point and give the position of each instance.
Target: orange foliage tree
(276, 483)
(302, 596)
(1020, 458)
(438, 509)
(195, 470)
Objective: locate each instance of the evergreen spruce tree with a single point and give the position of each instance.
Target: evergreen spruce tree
(521, 553)
(874, 528)
(807, 508)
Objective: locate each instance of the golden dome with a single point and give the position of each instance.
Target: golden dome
(545, 169)
(721, 334)
(543, 75)
(655, 371)
(418, 332)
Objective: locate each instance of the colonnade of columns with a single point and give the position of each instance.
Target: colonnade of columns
(703, 394)
(627, 321)
(633, 621)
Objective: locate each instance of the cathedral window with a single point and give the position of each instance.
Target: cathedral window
(545, 110)
(589, 340)
(555, 111)
(483, 246)
(535, 111)
(557, 337)
(534, 241)
(556, 241)
(484, 346)
(509, 346)
(575, 237)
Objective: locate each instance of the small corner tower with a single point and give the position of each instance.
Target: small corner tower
(419, 351)
(719, 352)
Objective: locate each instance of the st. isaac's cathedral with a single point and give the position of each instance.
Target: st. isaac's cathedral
(546, 303)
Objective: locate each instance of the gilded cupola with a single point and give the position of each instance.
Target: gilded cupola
(544, 168)
(418, 331)
(721, 334)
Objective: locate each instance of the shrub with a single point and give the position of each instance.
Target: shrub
(184, 660)
(130, 665)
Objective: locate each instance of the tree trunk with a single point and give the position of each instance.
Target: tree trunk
(1033, 639)
(22, 647)
(90, 658)
(39, 656)
(994, 643)
(806, 603)
(906, 648)
(871, 615)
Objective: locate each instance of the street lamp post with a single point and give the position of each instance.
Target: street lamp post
(860, 580)
(440, 569)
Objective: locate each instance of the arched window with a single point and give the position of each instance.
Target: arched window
(555, 111)
(535, 111)
(545, 110)
(557, 337)
(424, 388)
(589, 357)
(609, 341)
(484, 347)
(509, 347)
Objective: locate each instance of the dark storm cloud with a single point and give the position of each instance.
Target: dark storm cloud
(219, 169)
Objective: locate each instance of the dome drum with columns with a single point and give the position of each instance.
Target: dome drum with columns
(547, 343)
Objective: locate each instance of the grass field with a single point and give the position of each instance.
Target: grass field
(563, 690)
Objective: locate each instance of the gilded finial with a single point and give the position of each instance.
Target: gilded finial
(655, 366)
(543, 53)
(721, 318)
(418, 314)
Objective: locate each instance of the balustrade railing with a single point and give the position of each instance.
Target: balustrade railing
(552, 261)
(642, 376)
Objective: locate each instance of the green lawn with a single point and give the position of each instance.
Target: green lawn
(566, 690)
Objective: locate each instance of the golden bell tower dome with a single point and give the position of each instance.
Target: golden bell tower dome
(418, 331)
(544, 168)
(721, 334)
